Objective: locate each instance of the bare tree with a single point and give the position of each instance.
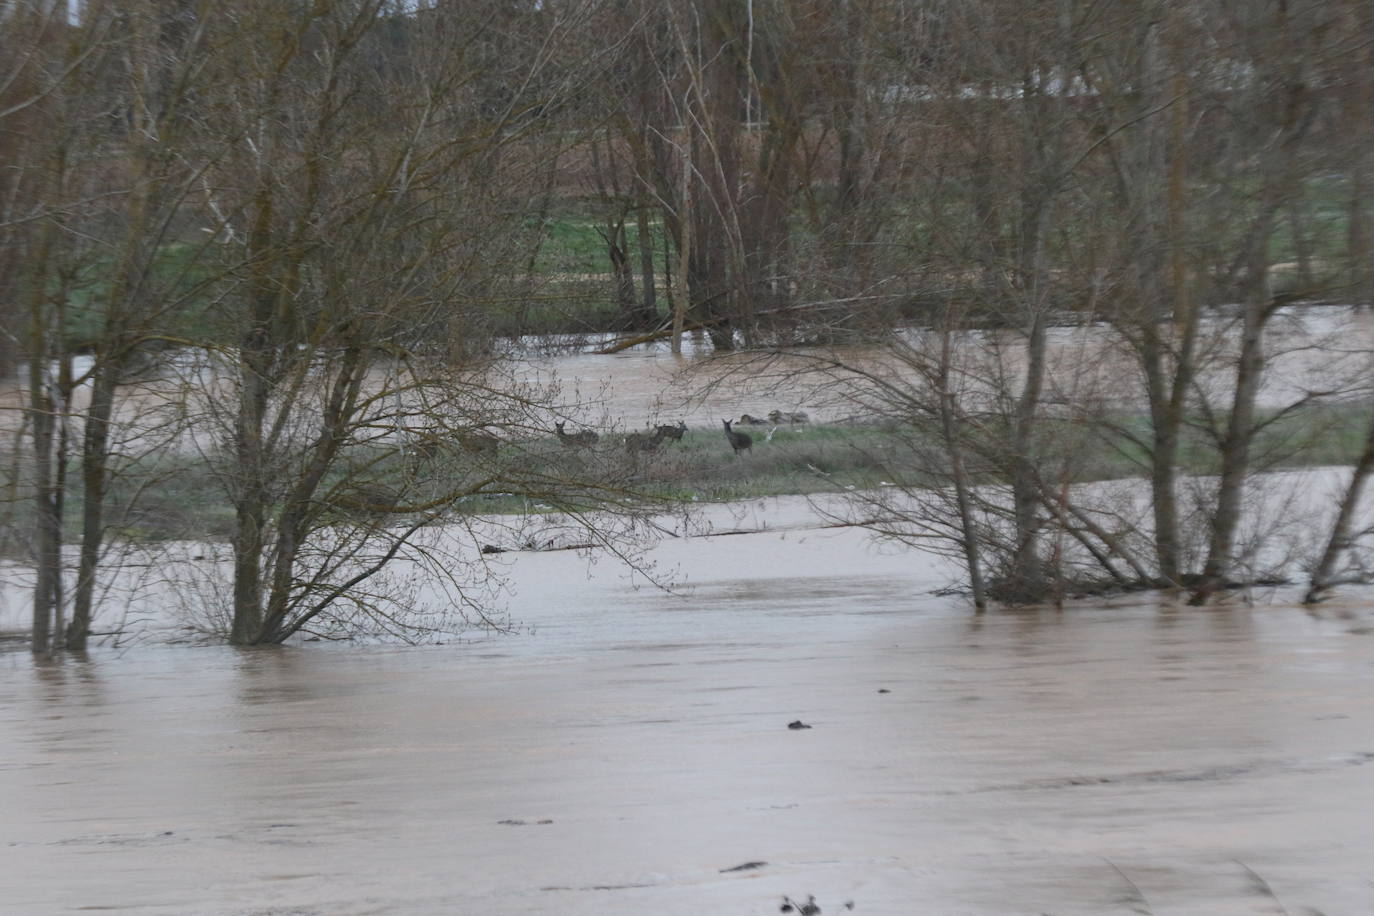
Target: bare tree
(373, 209)
(1280, 48)
(1344, 534)
(47, 187)
(143, 295)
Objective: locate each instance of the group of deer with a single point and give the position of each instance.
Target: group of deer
(649, 442)
(634, 442)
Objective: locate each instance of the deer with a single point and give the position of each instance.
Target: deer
(582, 439)
(478, 443)
(777, 417)
(740, 442)
(431, 446)
(643, 442)
(425, 449)
(746, 420)
(674, 432)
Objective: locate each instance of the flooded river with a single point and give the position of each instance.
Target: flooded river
(627, 750)
(1309, 349)
(1318, 352)
(624, 748)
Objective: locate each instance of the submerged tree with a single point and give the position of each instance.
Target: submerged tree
(367, 206)
(1134, 165)
(325, 200)
(101, 170)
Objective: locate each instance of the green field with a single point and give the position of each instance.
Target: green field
(554, 276)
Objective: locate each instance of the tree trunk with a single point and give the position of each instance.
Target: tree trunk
(42, 340)
(648, 307)
(968, 529)
(1278, 181)
(685, 222)
(250, 481)
(95, 453)
(631, 318)
(1339, 540)
(293, 524)
(1302, 247)
(110, 358)
(718, 255)
(851, 256)
(250, 508)
(1235, 447)
(1027, 582)
(62, 462)
(766, 230)
(48, 541)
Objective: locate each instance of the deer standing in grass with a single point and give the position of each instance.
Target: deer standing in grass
(643, 442)
(674, 432)
(740, 442)
(583, 439)
(479, 443)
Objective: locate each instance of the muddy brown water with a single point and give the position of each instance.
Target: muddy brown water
(624, 748)
(1316, 348)
(1309, 349)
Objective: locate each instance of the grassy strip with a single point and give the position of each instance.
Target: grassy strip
(183, 498)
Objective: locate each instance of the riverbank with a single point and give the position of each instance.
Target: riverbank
(177, 498)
